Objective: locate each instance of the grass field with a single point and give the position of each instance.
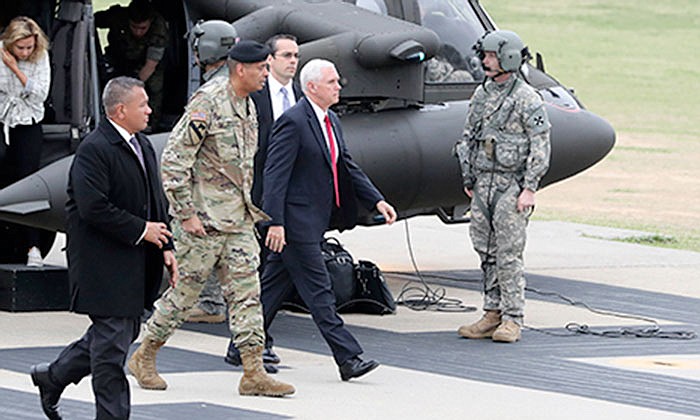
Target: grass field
(631, 62)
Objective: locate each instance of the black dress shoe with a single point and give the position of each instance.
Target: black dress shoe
(356, 367)
(233, 357)
(269, 356)
(48, 391)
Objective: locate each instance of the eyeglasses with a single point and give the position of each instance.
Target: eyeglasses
(287, 55)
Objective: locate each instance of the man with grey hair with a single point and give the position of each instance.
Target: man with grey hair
(310, 183)
(118, 241)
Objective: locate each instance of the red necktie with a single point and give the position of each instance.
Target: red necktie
(333, 160)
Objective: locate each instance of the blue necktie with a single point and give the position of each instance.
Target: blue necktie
(285, 99)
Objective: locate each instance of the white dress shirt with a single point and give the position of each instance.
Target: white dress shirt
(276, 96)
(321, 115)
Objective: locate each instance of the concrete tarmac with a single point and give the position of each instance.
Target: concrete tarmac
(427, 371)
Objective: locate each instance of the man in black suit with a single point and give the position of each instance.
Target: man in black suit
(310, 183)
(279, 94)
(118, 241)
(270, 101)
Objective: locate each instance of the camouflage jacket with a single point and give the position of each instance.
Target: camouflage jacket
(217, 72)
(207, 165)
(128, 53)
(507, 131)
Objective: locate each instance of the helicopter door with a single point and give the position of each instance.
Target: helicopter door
(67, 113)
(455, 70)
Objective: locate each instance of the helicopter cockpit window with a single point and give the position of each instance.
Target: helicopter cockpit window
(376, 6)
(458, 27)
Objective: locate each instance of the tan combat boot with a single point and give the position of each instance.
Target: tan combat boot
(197, 314)
(255, 380)
(507, 332)
(142, 365)
(482, 328)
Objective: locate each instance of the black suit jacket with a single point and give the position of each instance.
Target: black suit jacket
(263, 106)
(108, 202)
(298, 179)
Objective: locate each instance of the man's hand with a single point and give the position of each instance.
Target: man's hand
(526, 200)
(469, 192)
(194, 226)
(147, 69)
(275, 238)
(387, 211)
(157, 233)
(171, 265)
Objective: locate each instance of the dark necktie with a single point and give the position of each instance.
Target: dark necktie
(139, 154)
(285, 99)
(137, 148)
(334, 161)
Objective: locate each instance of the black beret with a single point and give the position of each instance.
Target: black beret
(247, 51)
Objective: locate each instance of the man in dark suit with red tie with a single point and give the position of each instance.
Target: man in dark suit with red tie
(118, 241)
(310, 182)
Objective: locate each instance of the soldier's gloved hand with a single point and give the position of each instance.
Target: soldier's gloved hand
(194, 226)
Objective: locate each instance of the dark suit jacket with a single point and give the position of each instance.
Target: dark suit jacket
(298, 179)
(263, 106)
(108, 201)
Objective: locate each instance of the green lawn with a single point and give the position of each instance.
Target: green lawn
(631, 61)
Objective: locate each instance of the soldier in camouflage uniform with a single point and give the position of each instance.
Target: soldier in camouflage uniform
(211, 42)
(207, 170)
(439, 70)
(504, 153)
(137, 38)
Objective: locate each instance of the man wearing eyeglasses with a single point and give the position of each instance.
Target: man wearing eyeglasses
(279, 93)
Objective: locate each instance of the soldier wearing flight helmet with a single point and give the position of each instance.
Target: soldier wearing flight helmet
(211, 41)
(504, 153)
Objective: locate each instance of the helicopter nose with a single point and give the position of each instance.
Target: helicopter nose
(582, 140)
(34, 200)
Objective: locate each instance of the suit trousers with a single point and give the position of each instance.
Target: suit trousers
(102, 351)
(301, 265)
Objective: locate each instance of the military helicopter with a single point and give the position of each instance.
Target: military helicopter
(408, 73)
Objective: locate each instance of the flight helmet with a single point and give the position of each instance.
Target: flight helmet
(509, 48)
(211, 40)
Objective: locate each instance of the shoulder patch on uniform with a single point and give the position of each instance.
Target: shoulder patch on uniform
(197, 131)
(198, 116)
(538, 121)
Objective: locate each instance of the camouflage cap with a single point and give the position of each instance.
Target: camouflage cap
(247, 51)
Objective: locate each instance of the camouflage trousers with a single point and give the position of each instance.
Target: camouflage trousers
(154, 88)
(234, 258)
(498, 234)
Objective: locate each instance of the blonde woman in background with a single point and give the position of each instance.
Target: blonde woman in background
(25, 76)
